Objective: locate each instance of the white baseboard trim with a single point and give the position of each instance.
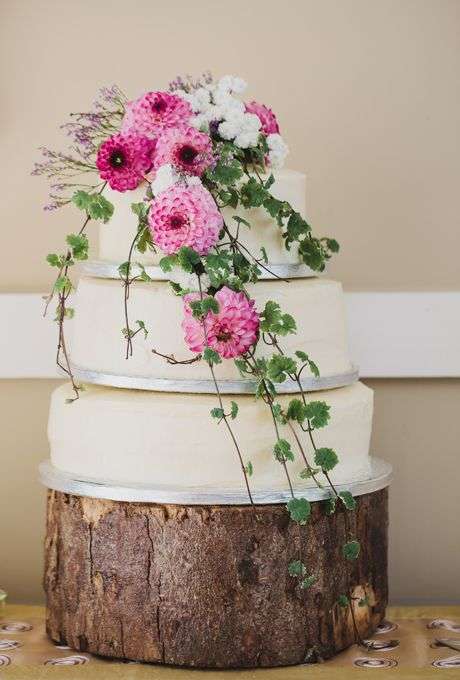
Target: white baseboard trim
(392, 335)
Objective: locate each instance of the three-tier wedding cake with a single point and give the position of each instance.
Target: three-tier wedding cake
(209, 368)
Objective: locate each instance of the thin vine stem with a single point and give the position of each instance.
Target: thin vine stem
(221, 405)
(61, 310)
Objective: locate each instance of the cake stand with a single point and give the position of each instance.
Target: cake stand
(198, 577)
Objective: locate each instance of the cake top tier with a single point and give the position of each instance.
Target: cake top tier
(116, 236)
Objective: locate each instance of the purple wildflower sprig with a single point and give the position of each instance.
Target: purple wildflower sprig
(67, 169)
(188, 84)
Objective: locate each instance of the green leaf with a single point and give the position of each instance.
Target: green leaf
(233, 410)
(343, 601)
(81, 199)
(296, 411)
(211, 356)
(348, 500)
(333, 245)
(312, 254)
(53, 260)
(177, 288)
(270, 181)
(253, 194)
(197, 308)
(317, 413)
(296, 568)
(226, 172)
(273, 206)
(142, 327)
(79, 246)
(99, 208)
(308, 581)
(313, 368)
(69, 312)
(144, 240)
(217, 413)
(188, 258)
(229, 197)
(167, 263)
(124, 270)
(140, 209)
(219, 267)
(308, 472)
(274, 321)
(283, 451)
(330, 504)
(301, 355)
(264, 255)
(279, 367)
(209, 304)
(296, 227)
(351, 550)
(326, 458)
(278, 414)
(299, 510)
(63, 285)
(249, 469)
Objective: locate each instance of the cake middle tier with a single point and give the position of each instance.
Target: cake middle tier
(98, 344)
(154, 438)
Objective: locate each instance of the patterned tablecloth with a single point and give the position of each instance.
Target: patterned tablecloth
(414, 643)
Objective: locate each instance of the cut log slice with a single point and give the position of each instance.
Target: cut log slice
(208, 586)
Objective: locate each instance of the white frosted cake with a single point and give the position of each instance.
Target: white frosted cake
(132, 436)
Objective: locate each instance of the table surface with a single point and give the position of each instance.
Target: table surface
(27, 654)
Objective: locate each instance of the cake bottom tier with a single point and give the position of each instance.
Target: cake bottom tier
(135, 437)
(208, 586)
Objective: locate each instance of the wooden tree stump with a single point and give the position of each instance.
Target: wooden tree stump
(208, 586)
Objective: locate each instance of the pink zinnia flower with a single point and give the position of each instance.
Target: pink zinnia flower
(230, 332)
(266, 116)
(123, 160)
(154, 112)
(185, 216)
(186, 148)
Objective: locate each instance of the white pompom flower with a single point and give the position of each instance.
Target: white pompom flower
(243, 129)
(167, 175)
(232, 84)
(278, 150)
(199, 99)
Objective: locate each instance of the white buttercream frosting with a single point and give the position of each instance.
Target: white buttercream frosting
(116, 236)
(158, 438)
(97, 342)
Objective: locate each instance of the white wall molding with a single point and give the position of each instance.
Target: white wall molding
(392, 335)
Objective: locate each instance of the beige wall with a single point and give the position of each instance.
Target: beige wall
(367, 95)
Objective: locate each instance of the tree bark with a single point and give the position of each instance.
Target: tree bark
(208, 586)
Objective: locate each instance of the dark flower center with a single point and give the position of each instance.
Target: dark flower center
(159, 105)
(187, 154)
(117, 158)
(223, 335)
(176, 221)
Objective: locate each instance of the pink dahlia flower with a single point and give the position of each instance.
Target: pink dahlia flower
(266, 116)
(154, 112)
(186, 149)
(185, 216)
(123, 160)
(230, 332)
